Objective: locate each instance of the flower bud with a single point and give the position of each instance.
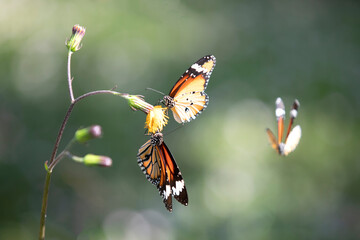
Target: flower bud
(46, 166)
(85, 134)
(74, 43)
(137, 102)
(92, 160)
(97, 160)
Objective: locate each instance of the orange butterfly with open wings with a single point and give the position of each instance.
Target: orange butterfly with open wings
(187, 98)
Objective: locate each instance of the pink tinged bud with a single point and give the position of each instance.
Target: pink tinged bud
(74, 43)
(97, 160)
(46, 166)
(85, 134)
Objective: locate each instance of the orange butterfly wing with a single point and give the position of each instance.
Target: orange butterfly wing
(188, 92)
(160, 168)
(148, 160)
(272, 140)
(177, 184)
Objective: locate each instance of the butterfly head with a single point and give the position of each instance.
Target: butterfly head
(281, 148)
(157, 139)
(168, 101)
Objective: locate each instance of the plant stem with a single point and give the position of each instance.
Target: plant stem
(57, 159)
(53, 161)
(44, 206)
(61, 131)
(69, 76)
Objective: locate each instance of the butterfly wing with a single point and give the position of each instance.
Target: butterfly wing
(188, 92)
(159, 167)
(148, 160)
(293, 115)
(272, 139)
(280, 116)
(189, 105)
(292, 141)
(177, 184)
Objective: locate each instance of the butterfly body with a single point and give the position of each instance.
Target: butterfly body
(160, 168)
(187, 98)
(292, 137)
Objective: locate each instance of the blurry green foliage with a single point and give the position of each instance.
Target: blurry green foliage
(238, 187)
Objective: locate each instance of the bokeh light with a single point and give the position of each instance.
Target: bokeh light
(238, 187)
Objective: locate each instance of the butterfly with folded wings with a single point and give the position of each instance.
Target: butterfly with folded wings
(292, 137)
(160, 168)
(187, 98)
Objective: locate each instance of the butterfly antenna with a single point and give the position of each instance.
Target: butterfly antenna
(173, 130)
(280, 116)
(293, 115)
(155, 91)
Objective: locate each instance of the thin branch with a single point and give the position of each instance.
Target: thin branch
(97, 92)
(61, 130)
(57, 159)
(44, 206)
(53, 161)
(70, 79)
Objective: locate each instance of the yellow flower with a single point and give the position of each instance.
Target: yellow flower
(156, 119)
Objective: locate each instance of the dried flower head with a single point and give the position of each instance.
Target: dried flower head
(156, 119)
(74, 43)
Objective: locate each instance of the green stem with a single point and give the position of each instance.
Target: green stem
(44, 206)
(69, 76)
(54, 160)
(57, 160)
(76, 158)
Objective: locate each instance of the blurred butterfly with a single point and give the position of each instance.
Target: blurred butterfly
(187, 98)
(159, 167)
(292, 137)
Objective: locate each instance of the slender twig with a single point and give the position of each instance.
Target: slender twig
(44, 206)
(97, 92)
(69, 76)
(61, 130)
(75, 158)
(53, 161)
(57, 159)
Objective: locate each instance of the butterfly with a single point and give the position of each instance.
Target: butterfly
(159, 167)
(292, 137)
(187, 98)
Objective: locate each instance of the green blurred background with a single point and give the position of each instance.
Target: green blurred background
(238, 187)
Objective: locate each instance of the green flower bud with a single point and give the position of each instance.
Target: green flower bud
(97, 160)
(74, 43)
(85, 134)
(137, 102)
(46, 166)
